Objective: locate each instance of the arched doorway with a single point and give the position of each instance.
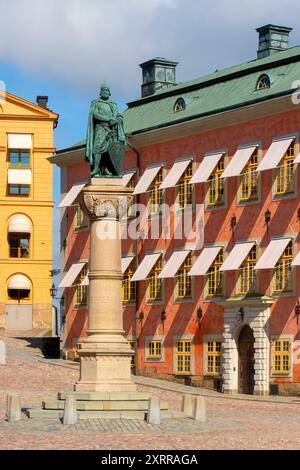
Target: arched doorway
(246, 361)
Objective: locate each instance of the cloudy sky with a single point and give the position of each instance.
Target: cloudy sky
(66, 48)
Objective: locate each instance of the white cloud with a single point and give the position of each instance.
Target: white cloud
(83, 42)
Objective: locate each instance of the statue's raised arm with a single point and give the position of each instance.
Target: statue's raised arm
(106, 139)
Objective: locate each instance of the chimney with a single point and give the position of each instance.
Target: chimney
(42, 101)
(157, 73)
(272, 39)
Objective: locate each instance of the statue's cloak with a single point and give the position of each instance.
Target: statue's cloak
(90, 138)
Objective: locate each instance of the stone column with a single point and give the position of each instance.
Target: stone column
(105, 354)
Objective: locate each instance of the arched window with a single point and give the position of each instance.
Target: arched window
(18, 287)
(263, 82)
(19, 230)
(179, 105)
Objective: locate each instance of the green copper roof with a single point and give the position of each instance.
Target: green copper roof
(214, 93)
(223, 90)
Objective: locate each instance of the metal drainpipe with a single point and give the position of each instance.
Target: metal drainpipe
(137, 304)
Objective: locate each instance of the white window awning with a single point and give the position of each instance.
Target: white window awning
(272, 253)
(296, 260)
(70, 197)
(274, 154)
(20, 141)
(20, 282)
(204, 261)
(19, 223)
(175, 174)
(147, 179)
(125, 263)
(206, 168)
(145, 267)
(238, 161)
(72, 274)
(236, 257)
(174, 263)
(127, 177)
(19, 177)
(297, 159)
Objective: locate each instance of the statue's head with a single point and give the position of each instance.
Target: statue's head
(105, 91)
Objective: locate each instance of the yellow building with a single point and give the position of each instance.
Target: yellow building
(26, 143)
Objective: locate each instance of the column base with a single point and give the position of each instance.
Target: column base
(104, 371)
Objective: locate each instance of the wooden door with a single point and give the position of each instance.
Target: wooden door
(246, 361)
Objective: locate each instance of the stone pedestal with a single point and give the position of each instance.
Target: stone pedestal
(105, 354)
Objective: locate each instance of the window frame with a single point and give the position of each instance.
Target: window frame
(156, 340)
(210, 207)
(212, 297)
(188, 189)
(261, 77)
(177, 110)
(81, 227)
(157, 271)
(19, 152)
(131, 284)
(246, 265)
(214, 339)
(284, 292)
(77, 287)
(17, 235)
(283, 166)
(242, 201)
(184, 270)
(19, 189)
(184, 338)
(282, 338)
(159, 194)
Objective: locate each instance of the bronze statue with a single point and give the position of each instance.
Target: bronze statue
(106, 139)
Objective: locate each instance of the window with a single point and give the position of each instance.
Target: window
(19, 294)
(249, 179)
(213, 356)
(263, 82)
(216, 185)
(183, 356)
(18, 189)
(215, 277)
(132, 182)
(284, 173)
(81, 291)
(129, 287)
(179, 105)
(282, 278)
(154, 283)
(247, 274)
(185, 190)
(183, 280)
(155, 195)
(18, 245)
(80, 220)
(132, 345)
(19, 158)
(281, 356)
(154, 349)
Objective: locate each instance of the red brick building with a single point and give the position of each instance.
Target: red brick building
(218, 308)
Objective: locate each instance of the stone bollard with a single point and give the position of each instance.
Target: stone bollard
(153, 415)
(13, 408)
(70, 410)
(187, 405)
(2, 353)
(200, 409)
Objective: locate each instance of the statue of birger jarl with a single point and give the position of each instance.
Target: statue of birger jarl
(106, 139)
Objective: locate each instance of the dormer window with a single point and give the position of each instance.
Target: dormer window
(179, 105)
(263, 82)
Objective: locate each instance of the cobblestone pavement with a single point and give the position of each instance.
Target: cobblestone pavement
(231, 424)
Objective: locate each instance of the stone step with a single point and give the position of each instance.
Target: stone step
(133, 414)
(101, 405)
(106, 396)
